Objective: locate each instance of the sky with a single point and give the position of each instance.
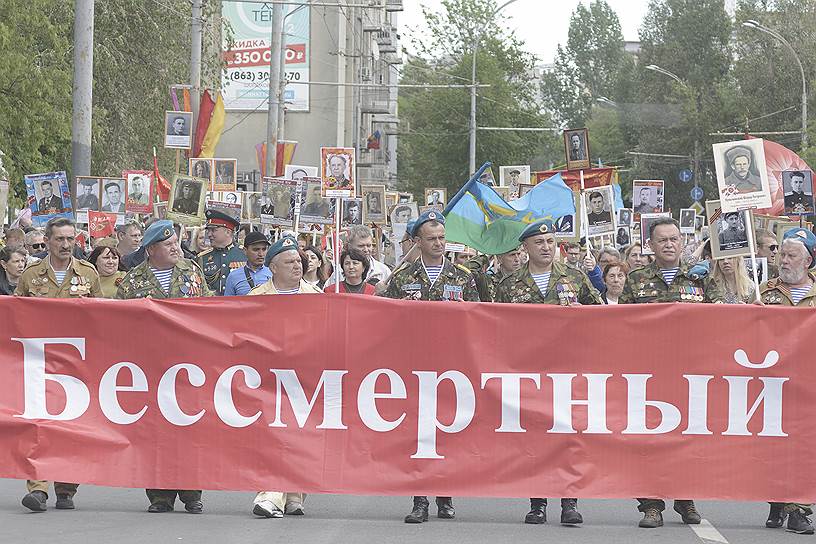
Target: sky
(542, 24)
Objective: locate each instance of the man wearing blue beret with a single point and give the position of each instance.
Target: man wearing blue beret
(795, 286)
(431, 277)
(543, 280)
(165, 274)
(283, 259)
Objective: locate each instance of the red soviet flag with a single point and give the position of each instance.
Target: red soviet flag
(101, 224)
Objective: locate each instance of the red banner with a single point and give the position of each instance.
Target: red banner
(593, 177)
(101, 224)
(346, 394)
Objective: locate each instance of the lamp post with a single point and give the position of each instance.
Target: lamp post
(756, 25)
(472, 128)
(675, 77)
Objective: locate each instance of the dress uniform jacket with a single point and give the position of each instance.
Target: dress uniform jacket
(647, 285)
(38, 280)
(187, 281)
(218, 263)
(455, 282)
(567, 286)
(777, 293)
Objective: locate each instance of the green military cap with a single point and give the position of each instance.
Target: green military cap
(285, 243)
(542, 226)
(158, 231)
(107, 242)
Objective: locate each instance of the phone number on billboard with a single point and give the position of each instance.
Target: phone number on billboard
(248, 75)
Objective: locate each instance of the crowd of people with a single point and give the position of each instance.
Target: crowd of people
(165, 260)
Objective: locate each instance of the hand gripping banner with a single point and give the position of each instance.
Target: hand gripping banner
(348, 394)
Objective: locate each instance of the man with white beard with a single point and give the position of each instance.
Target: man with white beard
(795, 286)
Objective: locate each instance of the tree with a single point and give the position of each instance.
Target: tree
(435, 151)
(588, 67)
(140, 49)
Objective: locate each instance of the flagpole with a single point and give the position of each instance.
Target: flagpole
(750, 231)
(464, 189)
(584, 218)
(336, 253)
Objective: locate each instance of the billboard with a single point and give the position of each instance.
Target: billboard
(246, 78)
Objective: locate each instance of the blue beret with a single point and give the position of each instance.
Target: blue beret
(424, 217)
(542, 226)
(158, 231)
(284, 243)
(409, 228)
(805, 236)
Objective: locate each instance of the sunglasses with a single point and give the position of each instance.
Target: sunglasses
(38, 246)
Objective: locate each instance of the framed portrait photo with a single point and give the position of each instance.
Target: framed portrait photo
(201, 169)
(728, 230)
(647, 196)
(87, 196)
(798, 188)
(436, 197)
(623, 237)
(337, 172)
(178, 129)
(298, 173)
(278, 202)
(576, 148)
(600, 210)
(314, 207)
(224, 174)
(525, 188)
(625, 217)
(187, 200)
(352, 211)
(374, 210)
(403, 213)
(762, 268)
(48, 197)
(687, 216)
(139, 185)
(251, 210)
(742, 175)
(513, 177)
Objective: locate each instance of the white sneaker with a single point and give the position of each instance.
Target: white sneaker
(294, 509)
(267, 510)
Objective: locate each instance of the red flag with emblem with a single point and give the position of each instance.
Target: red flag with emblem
(101, 224)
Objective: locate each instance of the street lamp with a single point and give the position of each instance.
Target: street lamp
(675, 77)
(472, 163)
(756, 25)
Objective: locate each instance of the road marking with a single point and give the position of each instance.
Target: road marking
(708, 533)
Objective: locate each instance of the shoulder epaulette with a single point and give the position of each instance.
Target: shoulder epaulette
(463, 268)
(208, 250)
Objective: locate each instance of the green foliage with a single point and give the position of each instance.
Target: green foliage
(140, 49)
(435, 151)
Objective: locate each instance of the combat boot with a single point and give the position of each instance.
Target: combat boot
(569, 512)
(64, 502)
(776, 516)
(444, 508)
(688, 512)
(420, 511)
(652, 518)
(799, 523)
(537, 513)
(36, 501)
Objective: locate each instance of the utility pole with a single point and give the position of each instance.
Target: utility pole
(82, 88)
(195, 61)
(274, 88)
(282, 88)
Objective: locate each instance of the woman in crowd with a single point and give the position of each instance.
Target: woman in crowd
(731, 277)
(106, 261)
(313, 273)
(355, 268)
(12, 264)
(635, 257)
(198, 240)
(614, 277)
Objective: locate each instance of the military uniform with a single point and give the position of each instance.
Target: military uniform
(187, 281)
(38, 280)
(799, 202)
(218, 263)
(567, 286)
(774, 292)
(646, 285)
(486, 282)
(410, 282)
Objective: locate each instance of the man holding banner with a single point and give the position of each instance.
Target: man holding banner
(431, 277)
(544, 281)
(665, 280)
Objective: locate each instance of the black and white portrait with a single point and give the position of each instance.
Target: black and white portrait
(729, 234)
(576, 145)
(224, 174)
(687, 216)
(403, 213)
(353, 211)
(625, 217)
(87, 194)
(113, 195)
(178, 129)
(647, 196)
(186, 203)
(201, 168)
(742, 174)
(373, 197)
(798, 186)
(600, 210)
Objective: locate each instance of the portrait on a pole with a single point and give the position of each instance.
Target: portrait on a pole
(186, 204)
(178, 129)
(729, 231)
(798, 187)
(576, 147)
(742, 175)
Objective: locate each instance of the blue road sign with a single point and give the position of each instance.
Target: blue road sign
(685, 175)
(697, 193)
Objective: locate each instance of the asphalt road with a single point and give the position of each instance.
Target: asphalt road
(119, 516)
